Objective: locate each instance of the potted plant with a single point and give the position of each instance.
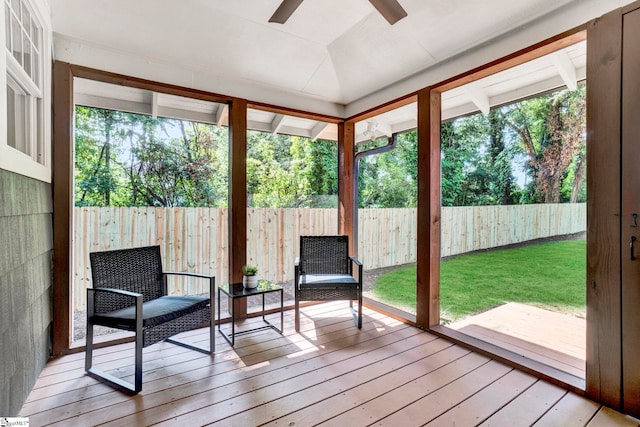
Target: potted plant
(250, 280)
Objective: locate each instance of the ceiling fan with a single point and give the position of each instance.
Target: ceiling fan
(391, 10)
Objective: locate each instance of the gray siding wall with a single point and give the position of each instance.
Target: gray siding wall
(25, 286)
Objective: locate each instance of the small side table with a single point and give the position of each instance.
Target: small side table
(236, 290)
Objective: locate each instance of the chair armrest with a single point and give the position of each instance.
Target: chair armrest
(115, 291)
(211, 279)
(138, 299)
(202, 276)
(357, 262)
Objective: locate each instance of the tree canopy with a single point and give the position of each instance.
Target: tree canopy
(532, 151)
(125, 159)
(541, 140)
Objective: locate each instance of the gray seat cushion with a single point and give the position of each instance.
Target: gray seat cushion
(154, 312)
(326, 280)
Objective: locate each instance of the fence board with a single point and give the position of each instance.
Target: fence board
(196, 239)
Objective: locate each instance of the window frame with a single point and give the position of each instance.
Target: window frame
(37, 164)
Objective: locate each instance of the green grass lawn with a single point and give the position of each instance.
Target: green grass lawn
(549, 275)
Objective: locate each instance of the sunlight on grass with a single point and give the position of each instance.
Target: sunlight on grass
(550, 275)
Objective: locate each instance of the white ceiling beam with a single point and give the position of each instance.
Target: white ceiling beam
(97, 101)
(405, 125)
(318, 129)
(566, 69)
(277, 123)
(385, 129)
(154, 105)
(479, 98)
(553, 83)
(221, 114)
(180, 114)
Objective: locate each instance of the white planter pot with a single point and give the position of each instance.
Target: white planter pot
(250, 282)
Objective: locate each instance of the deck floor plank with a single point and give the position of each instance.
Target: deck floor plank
(357, 397)
(330, 373)
(527, 407)
(157, 359)
(487, 401)
(331, 380)
(436, 402)
(570, 411)
(225, 380)
(222, 401)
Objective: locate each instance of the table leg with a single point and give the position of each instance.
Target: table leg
(219, 323)
(233, 323)
(281, 311)
(231, 339)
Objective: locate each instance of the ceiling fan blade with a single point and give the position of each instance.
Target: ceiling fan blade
(390, 9)
(284, 11)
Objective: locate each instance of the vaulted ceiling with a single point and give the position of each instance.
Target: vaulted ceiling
(330, 52)
(562, 68)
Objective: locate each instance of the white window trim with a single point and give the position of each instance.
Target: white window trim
(20, 75)
(11, 159)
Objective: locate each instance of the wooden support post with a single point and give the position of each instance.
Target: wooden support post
(347, 208)
(428, 245)
(62, 165)
(238, 197)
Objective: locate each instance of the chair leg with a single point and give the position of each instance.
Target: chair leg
(357, 317)
(107, 378)
(139, 344)
(88, 358)
(110, 379)
(297, 314)
(212, 335)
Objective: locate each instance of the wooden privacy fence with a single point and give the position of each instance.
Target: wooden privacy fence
(196, 239)
(470, 228)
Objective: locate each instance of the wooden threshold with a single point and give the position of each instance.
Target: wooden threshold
(331, 373)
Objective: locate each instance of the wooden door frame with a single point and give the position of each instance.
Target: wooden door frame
(603, 210)
(63, 166)
(429, 206)
(630, 206)
(608, 298)
(62, 141)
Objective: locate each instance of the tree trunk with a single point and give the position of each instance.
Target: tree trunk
(578, 176)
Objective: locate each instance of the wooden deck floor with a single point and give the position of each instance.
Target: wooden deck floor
(556, 339)
(330, 374)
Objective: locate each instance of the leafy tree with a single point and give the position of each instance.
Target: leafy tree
(478, 152)
(321, 166)
(290, 171)
(500, 160)
(270, 180)
(128, 159)
(389, 179)
(551, 130)
(96, 152)
(464, 177)
(125, 159)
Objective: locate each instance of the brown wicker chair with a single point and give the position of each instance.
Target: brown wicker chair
(130, 293)
(324, 272)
